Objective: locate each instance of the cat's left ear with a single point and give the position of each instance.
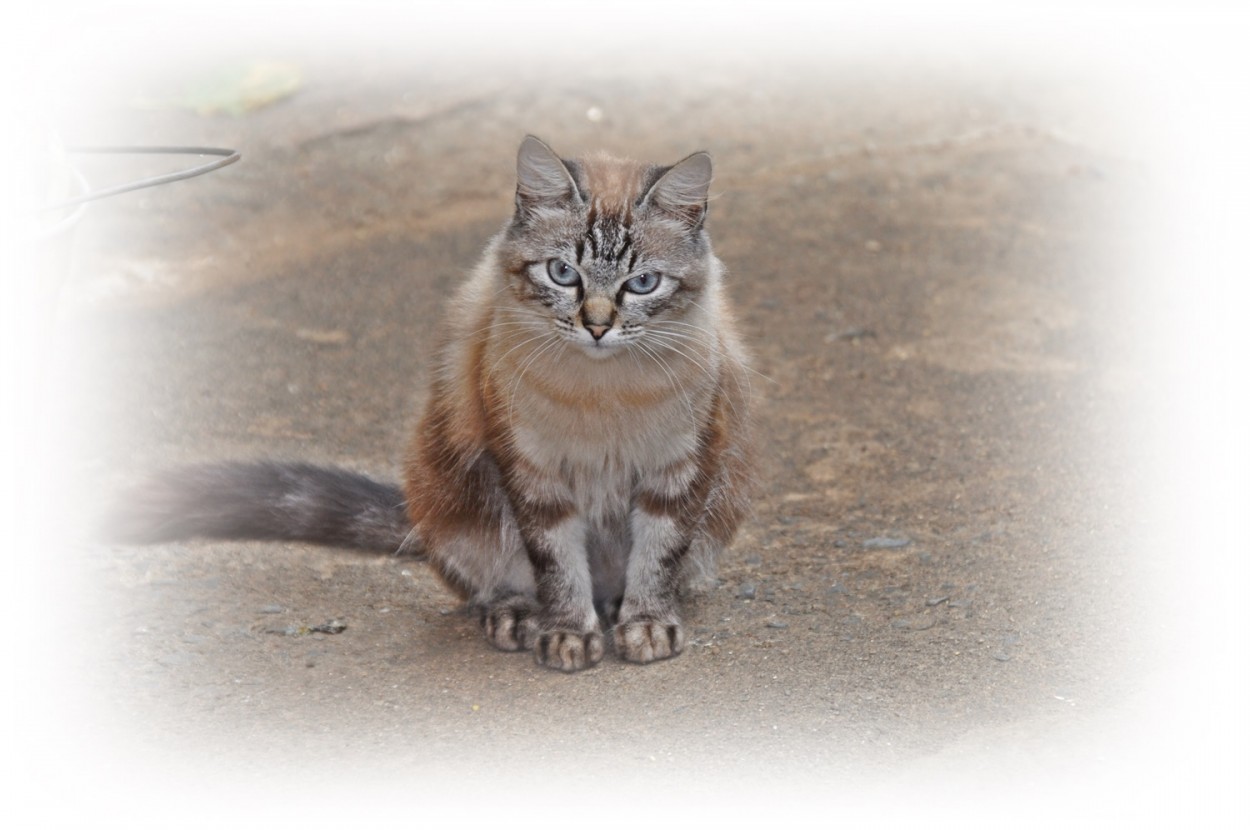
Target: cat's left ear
(682, 190)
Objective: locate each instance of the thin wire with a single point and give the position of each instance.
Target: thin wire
(228, 157)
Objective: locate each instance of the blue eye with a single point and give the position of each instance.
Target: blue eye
(643, 283)
(562, 273)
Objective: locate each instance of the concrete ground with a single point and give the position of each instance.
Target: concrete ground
(936, 608)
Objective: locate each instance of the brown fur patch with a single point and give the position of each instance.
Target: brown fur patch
(585, 400)
(731, 446)
(615, 184)
(533, 515)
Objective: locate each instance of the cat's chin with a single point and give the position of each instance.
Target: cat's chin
(599, 350)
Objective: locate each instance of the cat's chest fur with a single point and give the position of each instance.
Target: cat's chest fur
(600, 437)
(598, 434)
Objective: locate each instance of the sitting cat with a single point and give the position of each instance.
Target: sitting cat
(584, 451)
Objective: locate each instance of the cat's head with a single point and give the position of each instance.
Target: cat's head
(610, 252)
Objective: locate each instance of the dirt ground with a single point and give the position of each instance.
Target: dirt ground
(935, 609)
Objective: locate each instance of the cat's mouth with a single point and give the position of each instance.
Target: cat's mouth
(599, 349)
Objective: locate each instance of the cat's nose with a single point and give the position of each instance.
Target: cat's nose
(597, 331)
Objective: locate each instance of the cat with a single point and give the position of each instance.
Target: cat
(585, 450)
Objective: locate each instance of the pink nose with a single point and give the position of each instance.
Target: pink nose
(597, 331)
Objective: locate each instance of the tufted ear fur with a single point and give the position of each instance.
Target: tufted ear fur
(682, 190)
(542, 178)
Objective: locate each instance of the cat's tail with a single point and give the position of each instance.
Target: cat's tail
(264, 500)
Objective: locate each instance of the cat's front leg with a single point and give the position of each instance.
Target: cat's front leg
(649, 626)
(668, 505)
(568, 636)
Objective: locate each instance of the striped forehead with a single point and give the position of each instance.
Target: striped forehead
(613, 187)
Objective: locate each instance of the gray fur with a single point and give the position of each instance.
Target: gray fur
(265, 500)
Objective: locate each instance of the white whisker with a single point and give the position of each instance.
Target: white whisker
(523, 368)
(674, 341)
(719, 347)
(673, 382)
(515, 346)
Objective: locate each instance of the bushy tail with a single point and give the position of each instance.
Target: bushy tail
(265, 500)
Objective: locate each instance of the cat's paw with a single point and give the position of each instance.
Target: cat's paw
(569, 650)
(510, 625)
(644, 641)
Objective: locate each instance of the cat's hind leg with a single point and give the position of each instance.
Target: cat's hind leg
(510, 621)
(492, 570)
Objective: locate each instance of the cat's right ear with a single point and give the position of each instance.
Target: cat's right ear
(542, 178)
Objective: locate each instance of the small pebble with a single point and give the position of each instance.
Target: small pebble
(932, 601)
(777, 624)
(746, 590)
(317, 631)
(331, 627)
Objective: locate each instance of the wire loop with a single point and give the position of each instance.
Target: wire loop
(228, 157)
